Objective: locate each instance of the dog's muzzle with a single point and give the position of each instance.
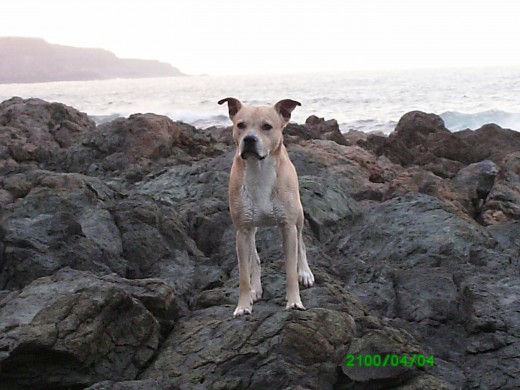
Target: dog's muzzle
(250, 148)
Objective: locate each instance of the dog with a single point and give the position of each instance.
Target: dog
(264, 191)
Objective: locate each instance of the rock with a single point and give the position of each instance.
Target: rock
(150, 384)
(467, 191)
(415, 127)
(314, 128)
(326, 203)
(426, 382)
(491, 304)
(82, 328)
(503, 201)
(436, 304)
(33, 131)
(267, 350)
(472, 186)
(409, 140)
(156, 244)
(198, 192)
(490, 142)
(380, 342)
(507, 235)
(421, 273)
(412, 238)
(413, 224)
(422, 139)
(43, 123)
(293, 133)
(361, 174)
(136, 145)
(264, 351)
(415, 179)
(353, 136)
(272, 353)
(323, 129)
(58, 220)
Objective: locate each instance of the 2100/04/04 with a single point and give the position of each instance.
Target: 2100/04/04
(388, 360)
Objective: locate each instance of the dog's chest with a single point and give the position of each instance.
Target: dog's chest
(261, 206)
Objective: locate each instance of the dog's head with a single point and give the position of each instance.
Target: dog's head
(257, 131)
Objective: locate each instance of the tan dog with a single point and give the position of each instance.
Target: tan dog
(263, 191)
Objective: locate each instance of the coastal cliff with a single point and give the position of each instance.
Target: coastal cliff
(32, 60)
(118, 266)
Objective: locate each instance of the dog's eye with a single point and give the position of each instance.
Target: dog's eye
(266, 127)
(241, 125)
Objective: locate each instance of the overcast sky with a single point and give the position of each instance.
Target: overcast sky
(275, 36)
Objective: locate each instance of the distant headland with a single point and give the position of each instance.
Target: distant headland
(33, 60)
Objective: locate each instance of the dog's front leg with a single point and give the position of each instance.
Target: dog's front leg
(256, 270)
(290, 245)
(244, 239)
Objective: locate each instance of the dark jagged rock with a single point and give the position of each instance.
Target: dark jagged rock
(57, 220)
(414, 260)
(503, 201)
(118, 265)
(136, 146)
(33, 132)
(490, 142)
(73, 329)
(422, 139)
(315, 128)
(323, 129)
(468, 191)
(415, 127)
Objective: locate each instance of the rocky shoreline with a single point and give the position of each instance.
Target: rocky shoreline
(118, 267)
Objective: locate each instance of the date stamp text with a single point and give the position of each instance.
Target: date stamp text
(388, 360)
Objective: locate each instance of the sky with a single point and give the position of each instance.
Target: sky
(270, 36)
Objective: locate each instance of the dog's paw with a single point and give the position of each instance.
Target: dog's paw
(295, 306)
(306, 278)
(256, 295)
(241, 311)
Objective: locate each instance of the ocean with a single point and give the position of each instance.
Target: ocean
(366, 101)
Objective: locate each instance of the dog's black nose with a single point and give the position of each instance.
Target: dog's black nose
(249, 139)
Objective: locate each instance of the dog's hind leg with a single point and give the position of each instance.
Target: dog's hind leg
(305, 276)
(256, 271)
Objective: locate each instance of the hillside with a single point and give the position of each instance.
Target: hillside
(33, 60)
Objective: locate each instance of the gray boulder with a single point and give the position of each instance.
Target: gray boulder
(135, 146)
(33, 132)
(503, 202)
(491, 306)
(57, 220)
(74, 329)
(415, 260)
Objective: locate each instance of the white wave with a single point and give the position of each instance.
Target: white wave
(368, 126)
(200, 119)
(456, 121)
(101, 119)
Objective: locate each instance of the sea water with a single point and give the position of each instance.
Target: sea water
(366, 101)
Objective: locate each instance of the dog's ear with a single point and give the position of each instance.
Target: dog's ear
(234, 105)
(285, 107)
